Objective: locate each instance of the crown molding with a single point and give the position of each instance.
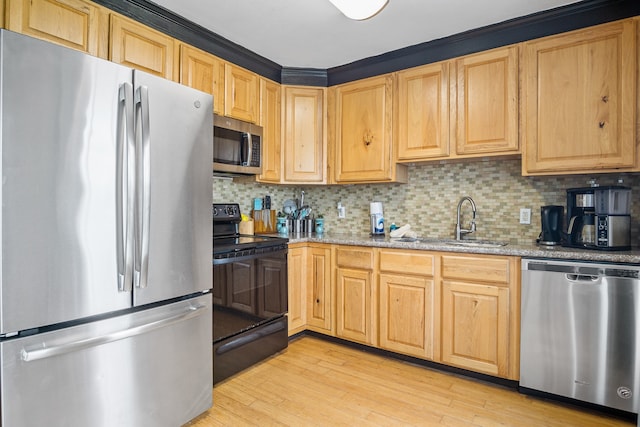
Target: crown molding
(167, 22)
(559, 20)
(562, 19)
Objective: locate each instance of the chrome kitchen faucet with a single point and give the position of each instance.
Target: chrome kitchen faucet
(460, 231)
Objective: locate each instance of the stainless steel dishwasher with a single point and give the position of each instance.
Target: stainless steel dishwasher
(580, 331)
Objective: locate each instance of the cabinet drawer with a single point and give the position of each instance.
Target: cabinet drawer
(355, 258)
(489, 269)
(408, 262)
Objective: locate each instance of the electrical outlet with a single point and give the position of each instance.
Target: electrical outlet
(525, 216)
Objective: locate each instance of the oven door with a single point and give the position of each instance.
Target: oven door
(250, 306)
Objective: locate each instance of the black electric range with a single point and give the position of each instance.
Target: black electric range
(249, 294)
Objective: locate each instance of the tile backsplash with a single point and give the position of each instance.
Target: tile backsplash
(429, 200)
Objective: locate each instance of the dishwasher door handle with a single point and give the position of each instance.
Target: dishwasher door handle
(582, 278)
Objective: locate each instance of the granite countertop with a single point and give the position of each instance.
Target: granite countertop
(530, 251)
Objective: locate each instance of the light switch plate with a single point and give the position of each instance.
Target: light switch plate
(525, 216)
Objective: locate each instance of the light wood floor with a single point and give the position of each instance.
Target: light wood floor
(317, 383)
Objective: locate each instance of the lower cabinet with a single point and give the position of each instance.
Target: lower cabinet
(297, 289)
(319, 291)
(355, 295)
(480, 313)
(461, 310)
(407, 309)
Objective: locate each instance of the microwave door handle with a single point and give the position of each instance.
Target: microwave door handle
(143, 187)
(125, 187)
(247, 151)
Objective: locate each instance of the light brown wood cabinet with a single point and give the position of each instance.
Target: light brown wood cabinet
(355, 295)
(480, 313)
(578, 105)
(203, 71)
(297, 287)
(486, 113)
(320, 300)
(461, 310)
(77, 24)
(241, 93)
(466, 107)
(143, 48)
(305, 143)
(363, 132)
(270, 119)
(422, 120)
(407, 313)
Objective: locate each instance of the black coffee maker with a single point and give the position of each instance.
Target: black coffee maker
(551, 219)
(581, 217)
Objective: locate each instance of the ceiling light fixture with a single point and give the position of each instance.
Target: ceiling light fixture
(359, 9)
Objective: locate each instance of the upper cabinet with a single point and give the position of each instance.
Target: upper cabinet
(422, 121)
(466, 107)
(77, 24)
(270, 120)
(140, 47)
(203, 71)
(486, 113)
(305, 144)
(363, 131)
(578, 106)
(241, 93)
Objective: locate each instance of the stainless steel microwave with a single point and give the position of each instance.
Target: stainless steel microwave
(237, 146)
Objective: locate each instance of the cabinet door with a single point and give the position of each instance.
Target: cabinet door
(319, 289)
(354, 301)
(422, 124)
(304, 142)
(475, 327)
(406, 314)
(487, 102)
(140, 47)
(77, 24)
(363, 131)
(297, 266)
(270, 115)
(579, 93)
(241, 93)
(203, 71)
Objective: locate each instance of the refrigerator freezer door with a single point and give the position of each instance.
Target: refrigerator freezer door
(59, 122)
(174, 127)
(150, 368)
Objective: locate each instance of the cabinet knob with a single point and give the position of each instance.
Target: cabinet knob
(601, 124)
(317, 301)
(605, 99)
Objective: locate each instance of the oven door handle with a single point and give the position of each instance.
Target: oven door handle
(232, 259)
(248, 257)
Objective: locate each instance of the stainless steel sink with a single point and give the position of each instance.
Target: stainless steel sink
(468, 243)
(478, 243)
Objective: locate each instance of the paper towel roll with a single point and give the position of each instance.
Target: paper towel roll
(375, 208)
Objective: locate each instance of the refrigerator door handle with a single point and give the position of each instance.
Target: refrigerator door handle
(125, 187)
(43, 353)
(143, 205)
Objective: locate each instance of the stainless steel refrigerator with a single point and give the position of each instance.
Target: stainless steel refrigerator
(105, 304)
